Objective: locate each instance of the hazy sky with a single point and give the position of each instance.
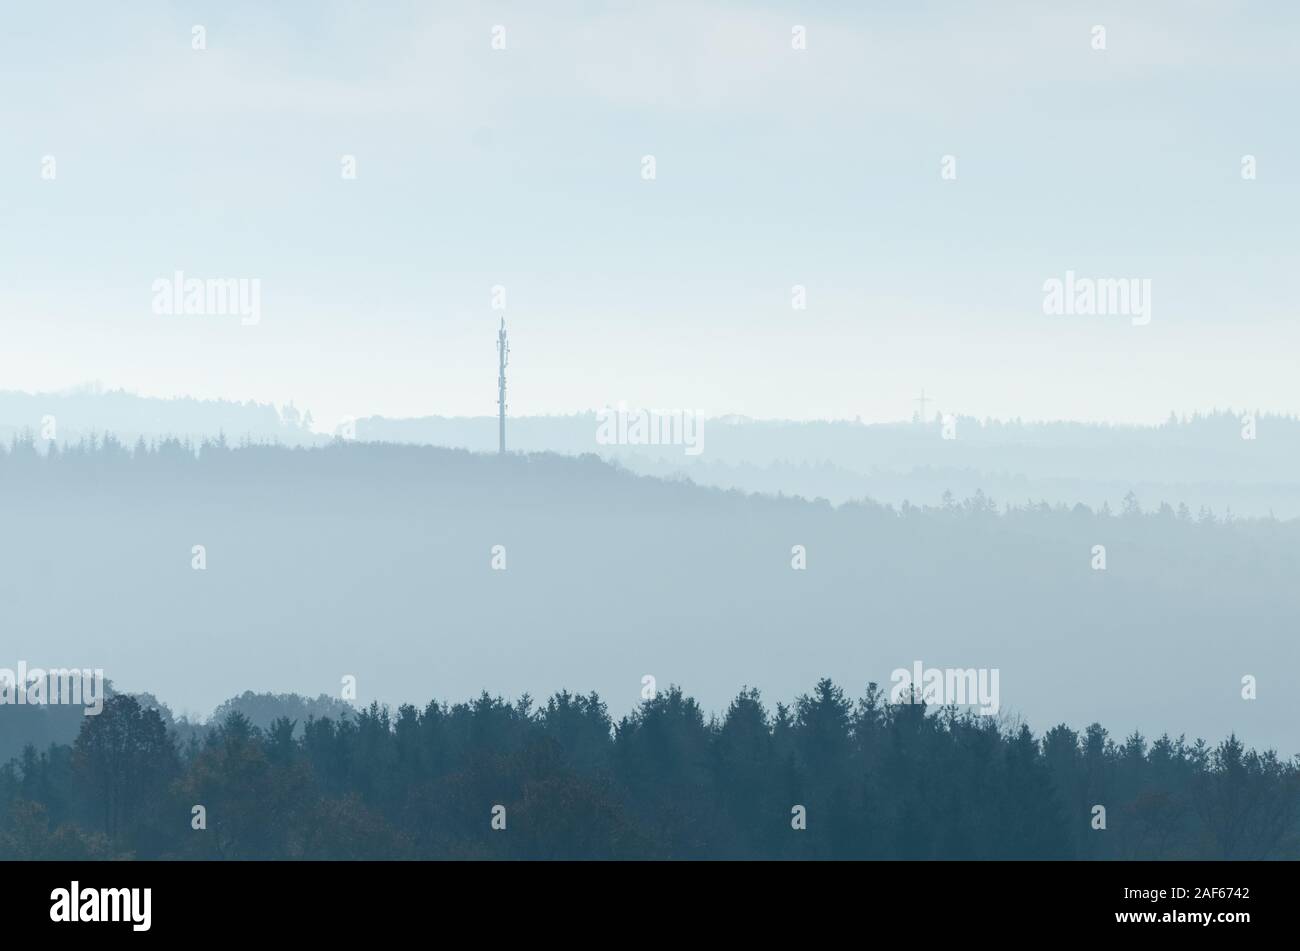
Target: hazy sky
(774, 167)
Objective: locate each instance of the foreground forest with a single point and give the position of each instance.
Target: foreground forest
(874, 780)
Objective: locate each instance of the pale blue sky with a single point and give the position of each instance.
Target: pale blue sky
(775, 167)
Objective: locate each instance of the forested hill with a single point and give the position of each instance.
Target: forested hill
(92, 411)
(424, 571)
(1201, 459)
(1192, 447)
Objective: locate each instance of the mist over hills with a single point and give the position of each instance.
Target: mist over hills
(375, 561)
(80, 412)
(1201, 460)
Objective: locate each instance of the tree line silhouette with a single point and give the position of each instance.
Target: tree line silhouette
(874, 780)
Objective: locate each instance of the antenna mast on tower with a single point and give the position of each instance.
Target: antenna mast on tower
(503, 357)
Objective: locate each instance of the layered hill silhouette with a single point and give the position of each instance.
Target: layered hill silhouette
(381, 563)
(1198, 459)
